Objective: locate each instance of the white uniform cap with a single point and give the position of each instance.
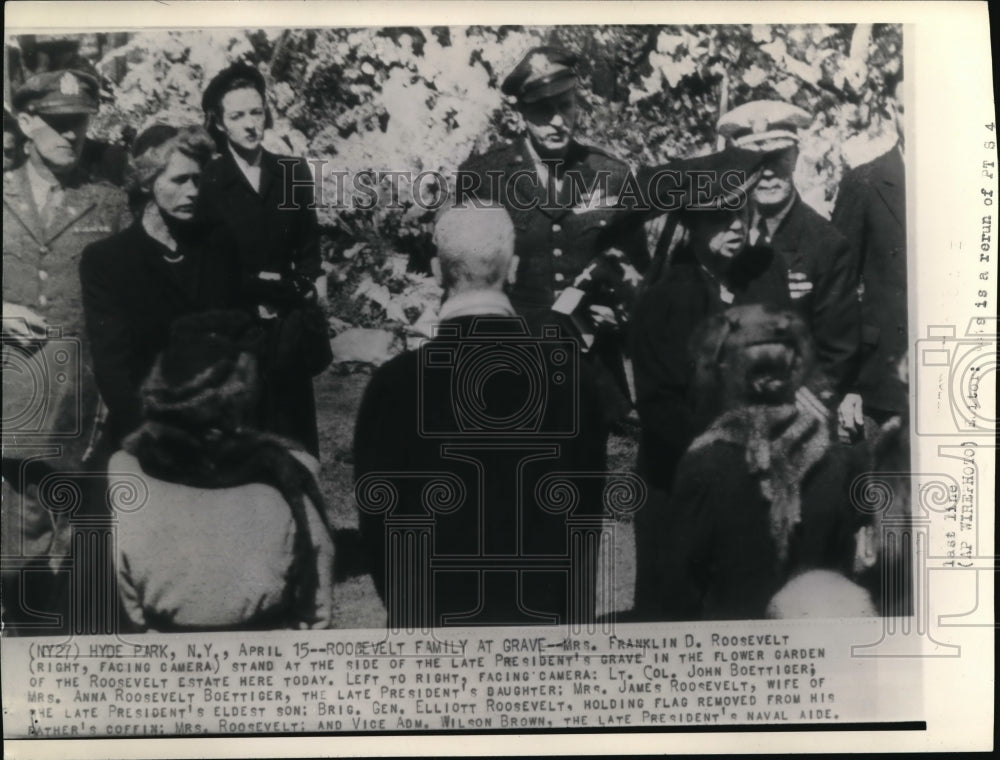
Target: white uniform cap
(764, 125)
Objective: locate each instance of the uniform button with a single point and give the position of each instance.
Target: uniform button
(556, 227)
(603, 223)
(557, 251)
(43, 249)
(43, 301)
(560, 277)
(43, 275)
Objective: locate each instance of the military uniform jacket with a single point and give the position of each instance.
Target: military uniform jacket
(871, 212)
(807, 243)
(41, 272)
(554, 242)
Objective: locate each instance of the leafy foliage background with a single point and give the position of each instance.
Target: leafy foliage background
(424, 99)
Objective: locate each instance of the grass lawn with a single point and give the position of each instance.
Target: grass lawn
(357, 604)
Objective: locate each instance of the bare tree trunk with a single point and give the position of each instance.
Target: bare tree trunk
(720, 141)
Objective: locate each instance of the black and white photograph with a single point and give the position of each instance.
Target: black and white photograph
(529, 377)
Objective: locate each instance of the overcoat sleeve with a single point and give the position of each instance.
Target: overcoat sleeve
(378, 448)
(837, 313)
(307, 251)
(663, 368)
(107, 325)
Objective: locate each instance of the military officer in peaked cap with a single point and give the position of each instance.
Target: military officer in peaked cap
(822, 268)
(560, 193)
(51, 211)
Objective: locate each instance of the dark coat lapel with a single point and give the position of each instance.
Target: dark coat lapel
(891, 185)
(270, 174)
(230, 173)
(526, 187)
(788, 236)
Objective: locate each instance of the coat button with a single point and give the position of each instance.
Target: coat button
(556, 227)
(43, 275)
(42, 250)
(560, 277)
(557, 251)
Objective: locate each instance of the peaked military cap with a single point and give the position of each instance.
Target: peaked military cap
(542, 73)
(64, 91)
(764, 125)
(221, 82)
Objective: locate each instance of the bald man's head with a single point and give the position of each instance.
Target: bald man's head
(475, 247)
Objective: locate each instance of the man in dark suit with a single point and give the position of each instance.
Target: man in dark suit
(822, 268)
(871, 213)
(473, 439)
(561, 194)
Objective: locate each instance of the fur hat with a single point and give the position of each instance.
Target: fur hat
(207, 376)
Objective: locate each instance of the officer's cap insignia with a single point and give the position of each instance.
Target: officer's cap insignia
(69, 84)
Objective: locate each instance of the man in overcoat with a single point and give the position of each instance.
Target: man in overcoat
(51, 211)
(871, 213)
(465, 452)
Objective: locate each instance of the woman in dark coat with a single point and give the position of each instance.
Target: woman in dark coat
(265, 201)
(713, 269)
(136, 283)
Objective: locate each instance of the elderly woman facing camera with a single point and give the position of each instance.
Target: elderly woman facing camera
(136, 283)
(711, 269)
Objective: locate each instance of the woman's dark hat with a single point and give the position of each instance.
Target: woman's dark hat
(206, 375)
(717, 181)
(222, 81)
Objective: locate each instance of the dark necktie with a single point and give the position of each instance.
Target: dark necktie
(764, 236)
(551, 189)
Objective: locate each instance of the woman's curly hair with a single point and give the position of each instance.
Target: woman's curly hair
(152, 150)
